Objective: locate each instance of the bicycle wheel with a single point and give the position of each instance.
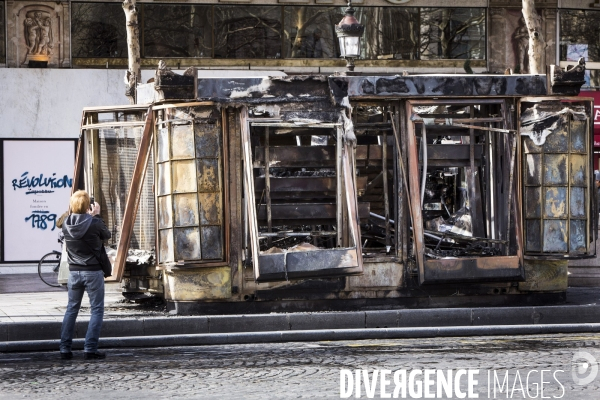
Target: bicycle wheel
(48, 269)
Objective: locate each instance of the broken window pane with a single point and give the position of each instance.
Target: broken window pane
(212, 247)
(210, 210)
(555, 169)
(450, 33)
(557, 141)
(247, 32)
(208, 175)
(186, 209)
(177, 30)
(309, 31)
(533, 169)
(207, 140)
(578, 202)
(533, 236)
(533, 202)
(578, 169)
(165, 212)
(164, 179)
(98, 30)
(184, 176)
(555, 236)
(578, 135)
(577, 241)
(555, 202)
(165, 238)
(183, 141)
(187, 241)
(163, 145)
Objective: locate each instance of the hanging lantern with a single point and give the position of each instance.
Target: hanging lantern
(349, 31)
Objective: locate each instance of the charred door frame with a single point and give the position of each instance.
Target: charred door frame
(89, 135)
(326, 262)
(468, 269)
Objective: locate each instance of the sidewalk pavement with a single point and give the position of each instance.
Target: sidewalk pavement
(31, 321)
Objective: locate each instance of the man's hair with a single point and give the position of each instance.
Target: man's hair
(80, 202)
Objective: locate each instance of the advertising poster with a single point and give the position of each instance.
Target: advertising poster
(37, 185)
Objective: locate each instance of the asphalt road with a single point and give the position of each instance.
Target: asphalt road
(311, 370)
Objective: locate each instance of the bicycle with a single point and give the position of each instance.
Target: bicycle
(48, 267)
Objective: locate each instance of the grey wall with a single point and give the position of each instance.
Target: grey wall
(48, 102)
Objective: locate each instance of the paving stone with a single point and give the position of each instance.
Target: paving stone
(294, 370)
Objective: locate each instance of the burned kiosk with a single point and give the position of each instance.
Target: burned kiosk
(340, 192)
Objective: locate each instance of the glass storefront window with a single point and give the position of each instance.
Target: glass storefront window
(579, 35)
(98, 30)
(247, 32)
(390, 32)
(309, 32)
(274, 31)
(452, 33)
(2, 38)
(177, 31)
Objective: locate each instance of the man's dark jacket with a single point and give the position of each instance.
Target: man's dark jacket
(82, 234)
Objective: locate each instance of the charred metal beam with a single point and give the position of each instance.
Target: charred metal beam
(307, 211)
(304, 184)
(315, 156)
(436, 85)
(263, 90)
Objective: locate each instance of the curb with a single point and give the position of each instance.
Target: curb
(360, 320)
(306, 335)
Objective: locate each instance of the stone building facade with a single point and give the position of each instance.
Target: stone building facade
(295, 36)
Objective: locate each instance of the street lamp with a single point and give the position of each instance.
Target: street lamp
(349, 32)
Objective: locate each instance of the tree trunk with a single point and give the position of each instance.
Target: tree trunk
(536, 40)
(134, 72)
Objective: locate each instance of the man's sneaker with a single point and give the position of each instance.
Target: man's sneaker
(94, 356)
(66, 356)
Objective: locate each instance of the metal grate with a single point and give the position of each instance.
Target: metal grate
(118, 153)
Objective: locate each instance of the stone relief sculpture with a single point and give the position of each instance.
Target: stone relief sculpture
(38, 34)
(521, 37)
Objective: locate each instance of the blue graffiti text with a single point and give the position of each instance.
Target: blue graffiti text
(51, 182)
(41, 220)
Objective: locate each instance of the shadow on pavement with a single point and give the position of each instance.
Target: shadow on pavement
(25, 283)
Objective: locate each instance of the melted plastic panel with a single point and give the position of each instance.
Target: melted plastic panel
(118, 149)
(189, 186)
(556, 177)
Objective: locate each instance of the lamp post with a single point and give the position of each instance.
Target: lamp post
(349, 32)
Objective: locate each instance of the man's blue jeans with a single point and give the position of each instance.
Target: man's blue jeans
(93, 283)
